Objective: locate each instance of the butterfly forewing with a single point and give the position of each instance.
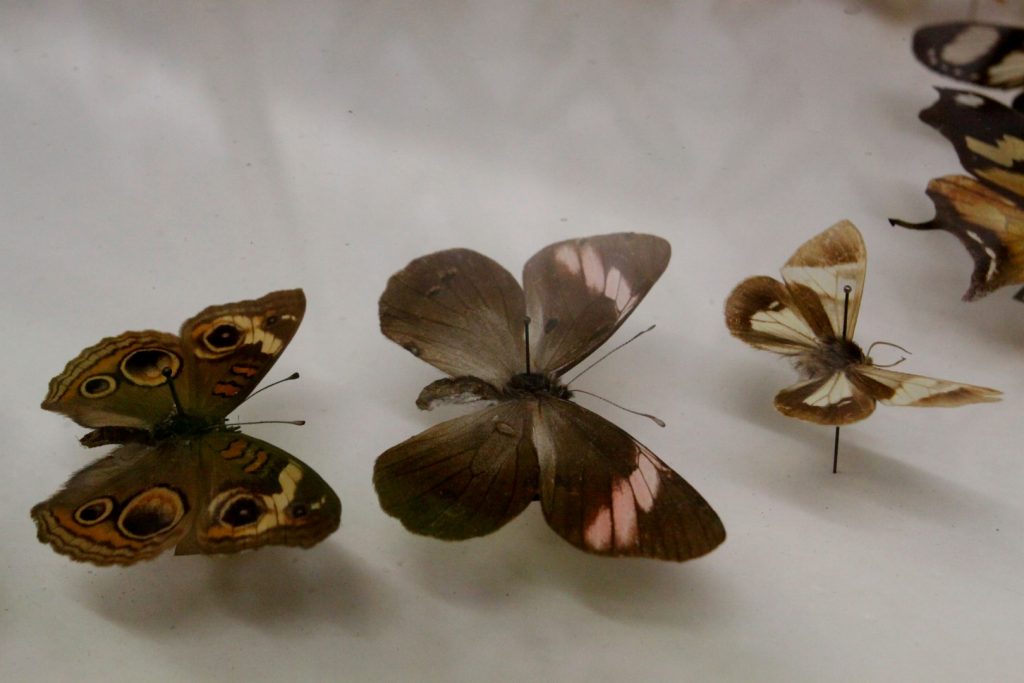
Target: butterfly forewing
(459, 311)
(818, 274)
(761, 312)
(117, 382)
(985, 54)
(462, 478)
(606, 493)
(579, 291)
(229, 348)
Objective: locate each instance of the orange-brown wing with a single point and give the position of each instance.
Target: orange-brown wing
(989, 224)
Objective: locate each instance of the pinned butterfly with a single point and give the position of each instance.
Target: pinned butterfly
(180, 476)
(599, 488)
(810, 317)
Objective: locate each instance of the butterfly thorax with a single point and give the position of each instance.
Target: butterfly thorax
(832, 355)
(527, 384)
(174, 426)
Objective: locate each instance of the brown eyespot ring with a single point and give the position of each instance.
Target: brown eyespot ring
(145, 367)
(95, 511)
(151, 512)
(98, 386)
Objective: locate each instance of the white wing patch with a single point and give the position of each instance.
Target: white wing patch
(784, 322)
(832, 392)
(916, 390)
(567, 256)
(970, 44)
(588, 262)
(828, 283)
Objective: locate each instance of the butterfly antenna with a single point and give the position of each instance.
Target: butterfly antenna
(895, 346)
(167, 373)
(584, 370)
(289, 378)
(656, 420)
(526, 330)
(846, 314)
(297, 423)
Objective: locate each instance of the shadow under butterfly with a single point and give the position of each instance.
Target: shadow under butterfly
(509, 346)
(986, 212)
(181, 477)
(810, 317)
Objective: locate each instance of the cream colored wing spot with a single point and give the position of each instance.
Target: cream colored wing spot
(829, 283)
(1007, 150)
(223, 335)
(969, 44)
(783, 322)
(832, 392)
(968, 100)
(593, 268)
(288, 480)
(1007, 71)
(917, 390)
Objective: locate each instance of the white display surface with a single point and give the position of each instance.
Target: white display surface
(161, 159)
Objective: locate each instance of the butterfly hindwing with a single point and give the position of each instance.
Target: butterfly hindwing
(829, 399)
(128, 506)
(462, 478)
(579, 291)
(257, 494)
(607, 494)
(459, 311)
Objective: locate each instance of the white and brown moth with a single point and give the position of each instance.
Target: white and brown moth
(600, 489)
(810, 317)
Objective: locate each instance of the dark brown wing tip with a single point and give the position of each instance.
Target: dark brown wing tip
(746, 299)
